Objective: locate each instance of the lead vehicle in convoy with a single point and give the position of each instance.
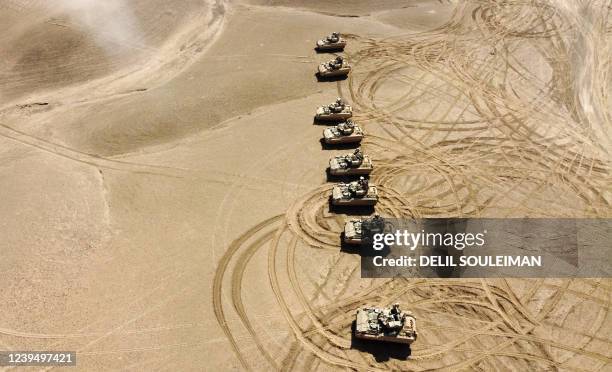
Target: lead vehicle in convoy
(347, 132)
(386, 324)
(356, 193)
(331, 42)
(356, 230)
(355, 164)
(334, 68)
(337, 111)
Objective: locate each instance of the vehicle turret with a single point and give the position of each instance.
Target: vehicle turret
(332, 42)
(386, 324)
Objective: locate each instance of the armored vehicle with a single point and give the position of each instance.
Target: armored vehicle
(356, 193)
(356, 163)
(331, 43)
(386, 324)
(347, 132)
(355, 230)
(336, 111)
(335, 67)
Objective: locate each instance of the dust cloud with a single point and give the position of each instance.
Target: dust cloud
(111, 22)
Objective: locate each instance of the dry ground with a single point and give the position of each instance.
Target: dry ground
(164, 196)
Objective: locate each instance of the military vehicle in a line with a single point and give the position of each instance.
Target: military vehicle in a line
(386, 324)
(346, 132)
(337, 111)
(332, 42)
(356, 193)
(355, 164)
(355, 230)
(334, 68)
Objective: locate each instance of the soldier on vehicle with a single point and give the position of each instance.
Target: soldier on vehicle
(334, 37)
(354, 160)
(359, 188)
(347, 127)
(357, 155)
(337, 106)
(336, 63)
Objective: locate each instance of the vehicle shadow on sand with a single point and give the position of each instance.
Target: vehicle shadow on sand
(361, 210)
(381, 351)
(339, 146)
(331, 52)
(326, 123)
(349, 248)
(343, 178)
(330, 78)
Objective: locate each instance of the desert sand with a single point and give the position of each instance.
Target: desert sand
(164, 197)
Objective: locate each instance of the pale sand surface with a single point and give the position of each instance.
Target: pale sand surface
(164, 200)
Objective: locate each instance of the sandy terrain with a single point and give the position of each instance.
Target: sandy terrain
(164, 200)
